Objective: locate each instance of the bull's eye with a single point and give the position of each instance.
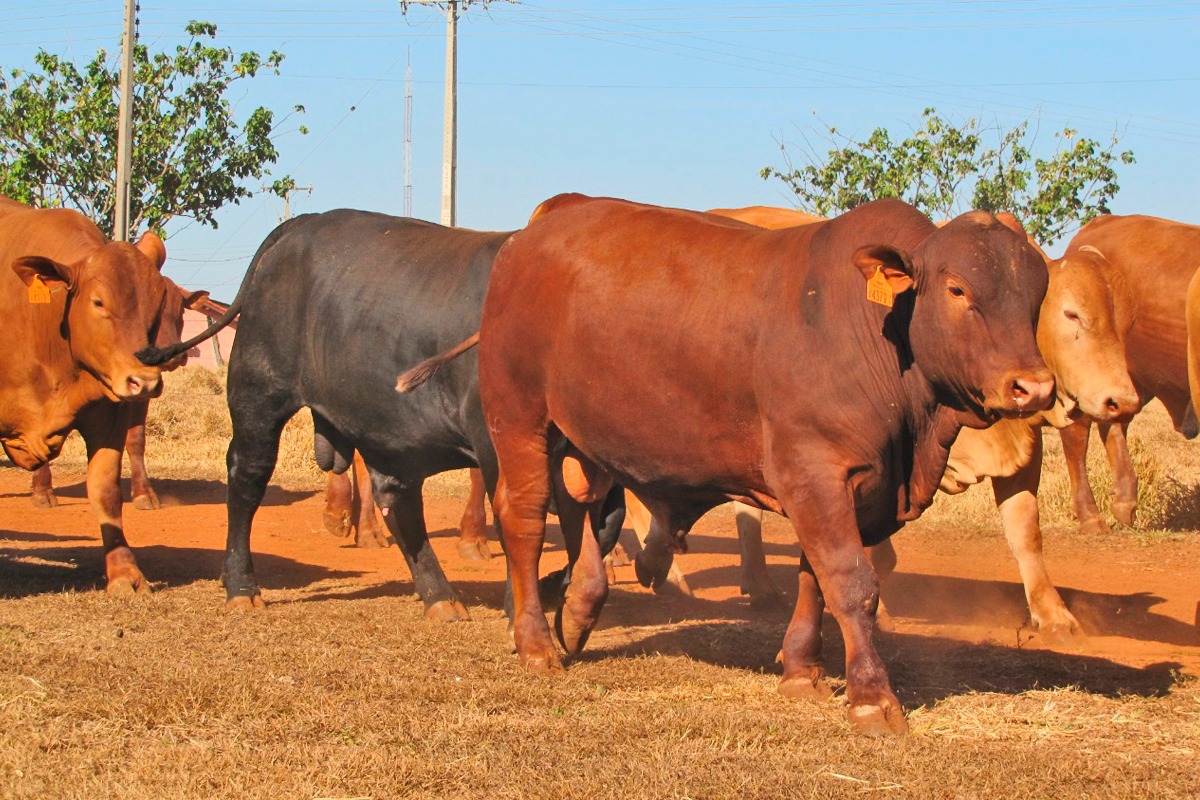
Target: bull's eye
(956, 291)
(97, 302)
(1073, 316)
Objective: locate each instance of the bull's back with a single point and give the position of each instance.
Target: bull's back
(343, 301)
(638, 326)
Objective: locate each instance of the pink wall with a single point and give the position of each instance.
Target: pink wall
(213, 353)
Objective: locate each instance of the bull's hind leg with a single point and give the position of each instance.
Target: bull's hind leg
(764, 594)
(404, 515)
(472, 529)
(257, 425)
(521, 502)
(580, 490)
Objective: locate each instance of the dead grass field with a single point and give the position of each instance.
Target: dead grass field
(342, 690)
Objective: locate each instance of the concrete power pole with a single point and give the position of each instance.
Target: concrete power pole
(125, 126)
(450, 121)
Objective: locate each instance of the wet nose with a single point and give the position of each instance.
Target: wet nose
(139, 385)
(1033, 391)
(1118, 405)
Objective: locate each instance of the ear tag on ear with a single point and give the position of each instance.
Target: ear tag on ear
(879, 290)
(38, 291)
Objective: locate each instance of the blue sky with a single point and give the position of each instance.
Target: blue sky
(659, 101)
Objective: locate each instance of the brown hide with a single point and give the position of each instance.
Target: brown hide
(1155, 259)
(764, 373)
(767, 216)
(60, 356)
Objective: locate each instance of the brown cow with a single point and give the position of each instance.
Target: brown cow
(1153, 260)
(77, 308)
(1085, 348)
(768, 375)
(142, 492)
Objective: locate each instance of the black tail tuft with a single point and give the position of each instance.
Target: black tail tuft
(156, 356)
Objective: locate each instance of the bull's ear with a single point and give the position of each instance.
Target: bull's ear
(193, 299)
(152, 247)
(53, 274)
(888, 261)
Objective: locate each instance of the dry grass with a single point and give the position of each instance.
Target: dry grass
(345, 691)
(333, 697)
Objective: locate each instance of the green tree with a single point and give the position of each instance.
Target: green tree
(944, 169)
(58, 133)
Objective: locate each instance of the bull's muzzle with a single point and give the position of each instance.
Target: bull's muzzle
(139, 385)
(1029, 391)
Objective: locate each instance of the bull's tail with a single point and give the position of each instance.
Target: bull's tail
(412, 378)
(154, 356)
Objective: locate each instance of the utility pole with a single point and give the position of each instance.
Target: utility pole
(287, 200)
(450, 120)
(408, 137)
(125, 126)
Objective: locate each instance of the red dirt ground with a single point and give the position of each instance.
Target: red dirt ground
(1136, 595)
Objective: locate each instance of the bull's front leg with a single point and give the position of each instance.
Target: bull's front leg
(1125, 482)
(42, 488)
(1016, 499)
(1075, 446)
(836, 572)
(141, 491)
(103, 428)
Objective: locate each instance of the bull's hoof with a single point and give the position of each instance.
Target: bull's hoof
(474, 550)
(802, 687)
(883, 619)
(1125, 512)
(618, 557)
(766, 598)
(447, 611)
(147, 502)
(337, 524)
(1059, 629)
(372, 539)
(572, 633)
(650, 575)
(542, 662)
(885, 720)
(247, 603)
(1096, 526)
(44, 499)
(127, 586)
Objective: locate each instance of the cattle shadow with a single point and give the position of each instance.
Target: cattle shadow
(180, 492)
(31, 572)
(924, 670)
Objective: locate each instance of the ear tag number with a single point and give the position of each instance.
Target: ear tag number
(879, 290)
(38, 291)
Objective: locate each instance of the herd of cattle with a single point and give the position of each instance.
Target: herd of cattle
(614, 356)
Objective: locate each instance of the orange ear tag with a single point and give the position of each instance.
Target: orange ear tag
(879, 290)
(38, 291)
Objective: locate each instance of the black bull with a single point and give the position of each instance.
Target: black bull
(333, 306)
